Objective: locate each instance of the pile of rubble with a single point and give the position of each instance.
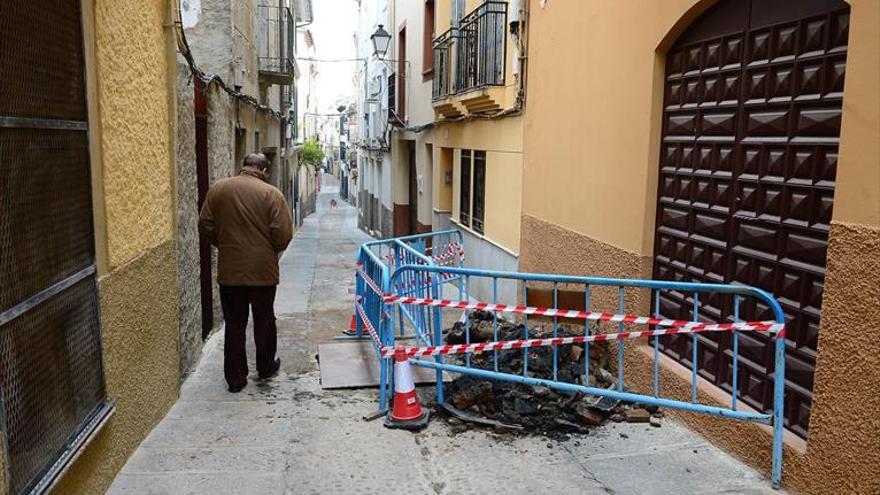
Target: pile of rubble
(537, 409)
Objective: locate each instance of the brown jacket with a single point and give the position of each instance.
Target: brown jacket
(249, 222)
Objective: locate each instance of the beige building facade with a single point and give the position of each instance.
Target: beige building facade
(723, 142)
(411, 116)
(478, 132)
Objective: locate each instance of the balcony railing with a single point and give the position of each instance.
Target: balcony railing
(472, 55)
(392, 94)
(277, 35)
(482, 47)
(442, 86)
(287, 96)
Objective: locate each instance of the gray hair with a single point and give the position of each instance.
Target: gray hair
(256, 160)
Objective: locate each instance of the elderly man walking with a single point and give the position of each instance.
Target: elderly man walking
(249, 222)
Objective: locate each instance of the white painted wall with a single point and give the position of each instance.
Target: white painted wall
(411, 14)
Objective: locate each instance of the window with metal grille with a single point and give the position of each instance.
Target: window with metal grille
(479, 195)
(52, 390)
(472, 190)
(392, 93)
(464, 211)
(401, 75)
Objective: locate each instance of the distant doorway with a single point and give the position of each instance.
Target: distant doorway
(413, 188)
(203, 182)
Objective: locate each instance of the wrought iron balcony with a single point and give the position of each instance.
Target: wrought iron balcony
(481, 47)
(276, 50)
(442, 85)
(472, 55)
(392, 94)
(287, 95)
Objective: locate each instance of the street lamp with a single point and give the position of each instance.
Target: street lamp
(381, 39)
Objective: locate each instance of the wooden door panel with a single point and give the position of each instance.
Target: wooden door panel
(748, 159)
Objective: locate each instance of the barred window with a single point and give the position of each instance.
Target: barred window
(472, 190)
(464, 215)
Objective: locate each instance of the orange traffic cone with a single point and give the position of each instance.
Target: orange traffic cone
(352, 326)
(406, 412)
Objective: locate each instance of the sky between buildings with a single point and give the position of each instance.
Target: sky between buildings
(335, 22)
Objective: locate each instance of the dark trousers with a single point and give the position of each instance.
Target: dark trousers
(236, 301)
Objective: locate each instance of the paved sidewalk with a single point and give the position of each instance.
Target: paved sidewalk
(289, 436)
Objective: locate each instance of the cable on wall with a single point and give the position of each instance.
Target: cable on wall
(184, 49)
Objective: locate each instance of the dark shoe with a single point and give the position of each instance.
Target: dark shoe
(273, 372)
(234, 389)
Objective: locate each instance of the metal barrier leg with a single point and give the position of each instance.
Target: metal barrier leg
(495, 320)
(778, 406)
(525, 295)
(734, 382)
(555, 332)
(438, 340)
(620, 328)
(383, 378)
(467, 321)
(656, 370)
(694, 351)
(587, 332)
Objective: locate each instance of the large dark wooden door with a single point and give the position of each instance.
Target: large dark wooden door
(206, 283)
(754, 93)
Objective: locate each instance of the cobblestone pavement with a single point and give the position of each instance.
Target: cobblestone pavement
(288, 436)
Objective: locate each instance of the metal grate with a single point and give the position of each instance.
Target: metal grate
(51, 378)
(481, 47)
(441, 85)
(45, 210)
(52, 390)
(392, 93)
(276, 38)
(41, 60)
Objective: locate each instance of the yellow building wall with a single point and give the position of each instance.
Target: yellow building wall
(591, 141)
(443, 159)
(502, 141)
(135, 124)
(503, 198)
(605, 152)
(857, 194)
(609, 153)
(132, 84)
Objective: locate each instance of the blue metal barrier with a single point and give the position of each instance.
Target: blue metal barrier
(376, 261)
(422, 279)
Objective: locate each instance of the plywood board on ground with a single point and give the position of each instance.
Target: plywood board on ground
(355, 365)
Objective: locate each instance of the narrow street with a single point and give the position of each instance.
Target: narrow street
(288, 436)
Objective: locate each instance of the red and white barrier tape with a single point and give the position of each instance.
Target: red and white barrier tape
(447, 251)
(399, 285)
(566, 313)
(369, 326)
(673, 327)
(477, 348)
(452, 250)
(403, 285)
(369, 281)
